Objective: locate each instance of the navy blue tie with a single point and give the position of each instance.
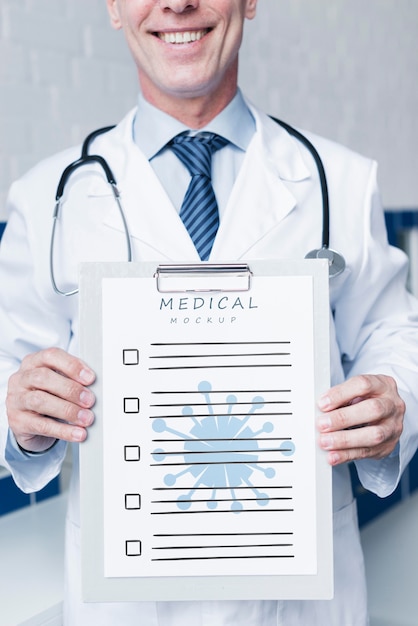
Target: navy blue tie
(199, 210)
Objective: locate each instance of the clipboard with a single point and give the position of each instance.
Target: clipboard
(201, 478)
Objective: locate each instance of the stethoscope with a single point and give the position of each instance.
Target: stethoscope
(336, 261)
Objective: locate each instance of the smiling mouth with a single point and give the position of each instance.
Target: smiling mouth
(188, 36)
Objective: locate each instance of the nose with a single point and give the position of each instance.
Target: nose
(179, 6)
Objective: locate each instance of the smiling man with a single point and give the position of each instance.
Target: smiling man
(186, 53)
(194, 159)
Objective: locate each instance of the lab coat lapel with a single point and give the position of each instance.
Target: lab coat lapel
(264, 191)
(152, 219)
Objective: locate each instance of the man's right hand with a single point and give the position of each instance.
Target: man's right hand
(48, 399)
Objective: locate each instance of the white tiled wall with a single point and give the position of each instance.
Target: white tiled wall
(63, 72)
(347, 69)
(344, 68)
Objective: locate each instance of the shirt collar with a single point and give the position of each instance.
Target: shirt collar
(153, 129)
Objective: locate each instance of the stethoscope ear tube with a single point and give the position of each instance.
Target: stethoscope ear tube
(85, 159)
(336, 261)
(91, 137)
(55, 287)
(322, 178)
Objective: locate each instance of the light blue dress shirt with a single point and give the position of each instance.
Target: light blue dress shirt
(153, 129)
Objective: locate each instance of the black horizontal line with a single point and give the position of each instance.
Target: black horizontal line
(206, 558)
(196, 367)
(226, 450)
(220, 534)
(275, 414)
(192, 501)
(214, 356)
(224, 439)
(212, 391)
(224, 343)
(238, 545)
(251, 462)
(211, 511)
(250, 402)
(236, 487)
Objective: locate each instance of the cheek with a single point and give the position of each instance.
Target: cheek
(133, 13)
(232, 41)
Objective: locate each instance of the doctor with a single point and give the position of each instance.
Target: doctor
(268, 193)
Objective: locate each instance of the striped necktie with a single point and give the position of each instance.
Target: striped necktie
(199, 210)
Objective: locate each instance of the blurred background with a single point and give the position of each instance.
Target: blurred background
(346, 69)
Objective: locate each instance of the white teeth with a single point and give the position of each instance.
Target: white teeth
(181, 38)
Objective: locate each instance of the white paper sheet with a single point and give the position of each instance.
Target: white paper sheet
(209, 444)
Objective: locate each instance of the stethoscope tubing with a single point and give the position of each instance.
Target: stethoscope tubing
(335, 260)
(85, 159)
(322, 178)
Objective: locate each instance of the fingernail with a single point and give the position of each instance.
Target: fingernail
(86, 376)
(78, 434)
(324, 423)
(327, 442)
(85, 417)
(86, 397)
(324, 402)
(334, 458)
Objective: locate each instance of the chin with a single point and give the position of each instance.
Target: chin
(192, 89)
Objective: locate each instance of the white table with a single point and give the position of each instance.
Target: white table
(390, 546)
(32, 558)
(32, 564)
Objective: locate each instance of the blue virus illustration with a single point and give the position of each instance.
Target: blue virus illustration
(221, 452)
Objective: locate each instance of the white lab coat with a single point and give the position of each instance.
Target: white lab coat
(274, 212)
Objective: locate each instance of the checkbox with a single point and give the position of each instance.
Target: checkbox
(131, 356)
(132, 453)
(133, 547)
(131, 405)
(132, 501)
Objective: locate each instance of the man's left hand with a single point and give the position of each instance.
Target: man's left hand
(361, 418)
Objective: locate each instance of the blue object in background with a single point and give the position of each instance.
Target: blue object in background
(397, 222)
(11, 498)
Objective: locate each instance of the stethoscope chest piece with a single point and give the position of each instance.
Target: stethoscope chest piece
(336, 262)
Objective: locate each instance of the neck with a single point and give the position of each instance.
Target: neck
(194, 111)
(193, 114)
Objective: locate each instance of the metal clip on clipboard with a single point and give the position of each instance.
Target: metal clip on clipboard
(203, 277)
